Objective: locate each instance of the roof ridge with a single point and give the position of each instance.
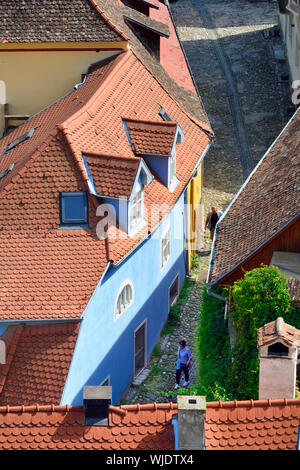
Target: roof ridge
(253, 403)
(122, 409)
(37, 408)
(108, 21)
(124, 56)
(192, 118)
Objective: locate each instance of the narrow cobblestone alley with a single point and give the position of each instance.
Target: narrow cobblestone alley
(230, 54)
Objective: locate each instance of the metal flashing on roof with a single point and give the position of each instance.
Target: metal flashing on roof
(19, 140)
(4, 173)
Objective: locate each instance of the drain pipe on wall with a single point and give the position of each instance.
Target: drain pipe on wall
(220, 297)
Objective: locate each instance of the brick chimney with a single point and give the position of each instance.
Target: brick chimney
(191, 417)
(278, 344)
(97, 401)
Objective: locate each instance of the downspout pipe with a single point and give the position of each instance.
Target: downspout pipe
(220, 297)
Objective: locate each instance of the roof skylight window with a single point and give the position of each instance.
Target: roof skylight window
(4, 173)
(19, 140)
(163, 113)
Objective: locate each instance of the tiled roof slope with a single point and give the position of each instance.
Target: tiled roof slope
(38, 21)
(112, 176)
(278, 329)
(38, 364)
(62, 428)
(48, 272)
(153, 138)
(245, 425)
(268, 201)
(252, 425)
(180, 86)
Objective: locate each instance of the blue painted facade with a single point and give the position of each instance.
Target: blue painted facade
(105, 345)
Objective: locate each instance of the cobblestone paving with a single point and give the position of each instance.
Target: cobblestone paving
(238, 27)
(163, 379)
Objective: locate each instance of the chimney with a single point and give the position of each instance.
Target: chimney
(191, 417)
(278, 345)
(97, 401)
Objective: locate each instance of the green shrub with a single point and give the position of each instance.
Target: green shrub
(259, 298)
(213, 347)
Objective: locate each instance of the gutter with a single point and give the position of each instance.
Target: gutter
(42, 321)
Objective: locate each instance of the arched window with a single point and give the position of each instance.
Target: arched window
(124, 298)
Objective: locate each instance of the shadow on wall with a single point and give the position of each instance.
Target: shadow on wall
(119, 360)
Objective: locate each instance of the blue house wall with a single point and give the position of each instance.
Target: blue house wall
(105, 346)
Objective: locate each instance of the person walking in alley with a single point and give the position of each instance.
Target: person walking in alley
(183, 363)
(211, 220)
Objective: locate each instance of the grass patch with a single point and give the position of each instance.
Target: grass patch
(156, 352)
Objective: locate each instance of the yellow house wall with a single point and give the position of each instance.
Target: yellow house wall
(194, 198)
(34, 79)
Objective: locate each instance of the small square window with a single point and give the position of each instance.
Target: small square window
(73, 208)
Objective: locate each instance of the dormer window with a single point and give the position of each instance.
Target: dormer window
(73, 208)
(136, 208)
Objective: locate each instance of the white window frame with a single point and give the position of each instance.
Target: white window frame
(135, 208)
(126, 304)
(165, 246)
(175, 299)
(172, 168)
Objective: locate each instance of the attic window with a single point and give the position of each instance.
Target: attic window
(278, 349)
(73, 208)
(19, 140)
(163, 113)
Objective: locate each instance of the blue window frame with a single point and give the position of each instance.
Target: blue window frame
(73, 208)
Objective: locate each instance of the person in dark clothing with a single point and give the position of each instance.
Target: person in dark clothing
(211, 221)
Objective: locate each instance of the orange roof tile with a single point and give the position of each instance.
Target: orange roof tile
(252, 425)
(112, 176)
(37, 364)
(62, 427)
(152, 138)
(244, 425)
(41, 263)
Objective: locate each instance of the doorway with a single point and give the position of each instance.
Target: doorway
(140, 348)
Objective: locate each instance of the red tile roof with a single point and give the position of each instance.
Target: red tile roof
(244, 425)
(62, 428)
(264, 206)
(37, 364)
(153, 138)
(41, 264)
(112, 176)
(39, 21)
(252, 425)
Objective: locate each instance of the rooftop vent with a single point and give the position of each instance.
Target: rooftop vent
(97, 400)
